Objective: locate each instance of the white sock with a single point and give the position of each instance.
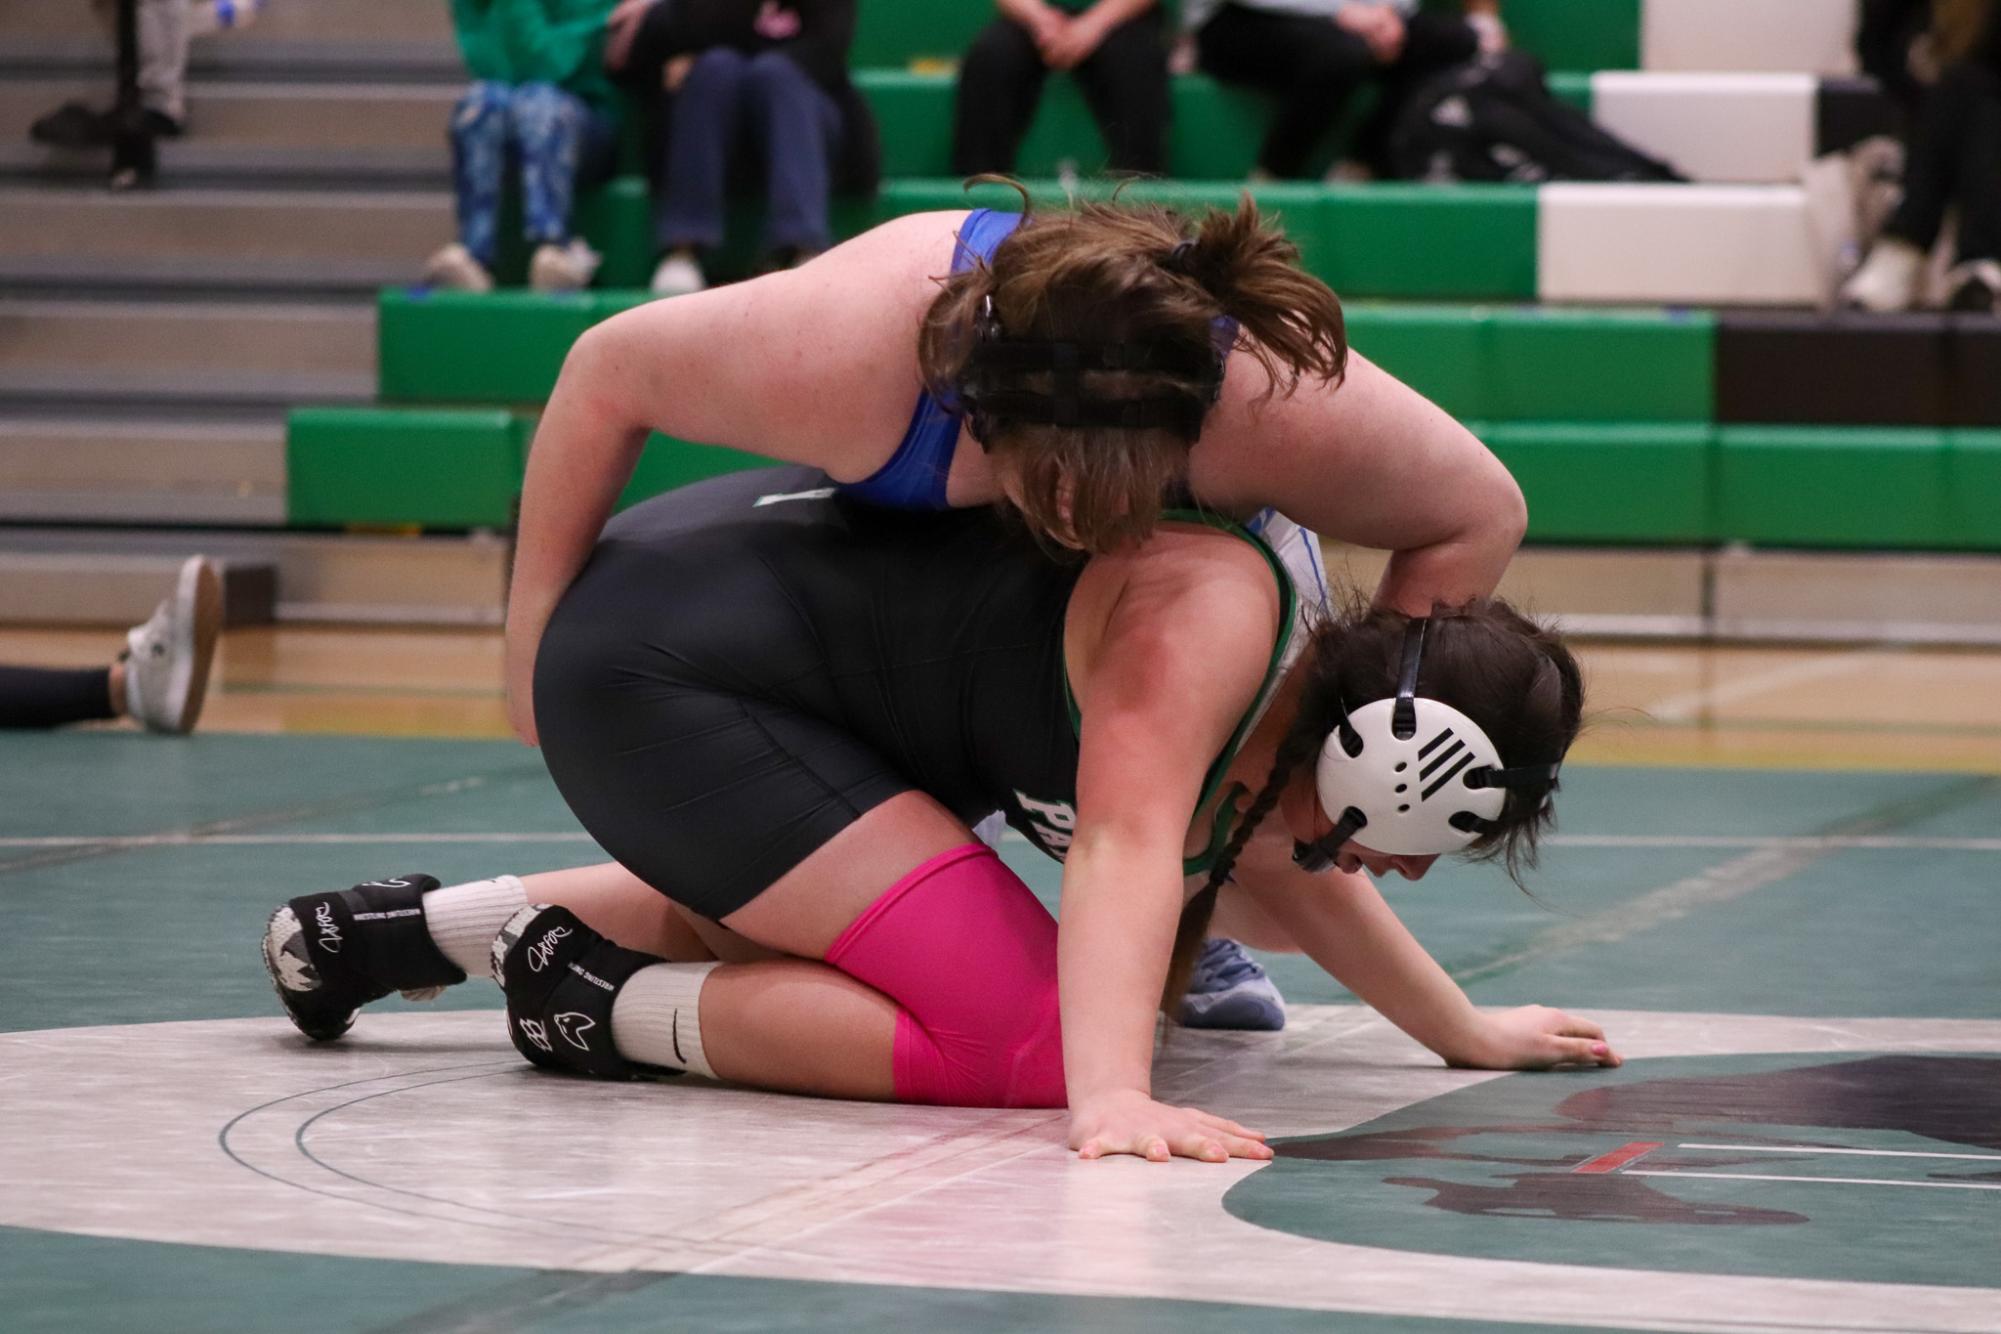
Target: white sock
(656, 1017)
(464, 919)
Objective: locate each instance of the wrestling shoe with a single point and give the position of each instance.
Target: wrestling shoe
(330, 954)
(1229, 989)
(561, 978)
(168, 658)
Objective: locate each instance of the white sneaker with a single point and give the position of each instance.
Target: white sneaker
(1888, 278)
(167, 659)
(678, 275)
(454, 269)
(563, 268)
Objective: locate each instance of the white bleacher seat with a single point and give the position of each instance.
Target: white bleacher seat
(1801, 36)
(1678, 244)
(1715, 127)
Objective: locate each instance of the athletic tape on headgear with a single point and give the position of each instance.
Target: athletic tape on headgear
(989, 389)
(1411, 776)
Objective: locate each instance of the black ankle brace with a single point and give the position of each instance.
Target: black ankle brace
(561, 978)
(371, 940)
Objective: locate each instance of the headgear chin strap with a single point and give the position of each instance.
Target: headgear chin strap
(1418, 775)
(989, 389)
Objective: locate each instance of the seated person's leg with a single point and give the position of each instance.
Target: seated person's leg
(1125, 82)
(1975, 283)
(689, 209)
(479, 168)
(797, 126)
(1000, 82)
(547, 127)
(33, 698)
(1311, 66)
(1432, 43)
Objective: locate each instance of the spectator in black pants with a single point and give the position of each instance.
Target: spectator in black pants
(742, 92)
(1115, 49)
(1312, 55)
(1954, 152)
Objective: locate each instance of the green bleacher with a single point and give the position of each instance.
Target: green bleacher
(1608, 417)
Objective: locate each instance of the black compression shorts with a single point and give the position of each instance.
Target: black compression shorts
(729, 684)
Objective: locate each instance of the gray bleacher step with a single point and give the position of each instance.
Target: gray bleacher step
(321, 241)
(85, 589)
(345, 578)
(92, 469)
(291, 38)
(247, 132)
(186, 351)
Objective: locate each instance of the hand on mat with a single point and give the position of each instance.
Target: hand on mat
(1128, 1121)
(1535, 1037)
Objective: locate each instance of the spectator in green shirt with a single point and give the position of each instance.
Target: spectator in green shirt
(540, 99)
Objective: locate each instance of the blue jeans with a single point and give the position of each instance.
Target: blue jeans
(796, 128)
(554, 136)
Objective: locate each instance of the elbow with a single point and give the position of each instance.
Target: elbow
(1510, 520)
(590, 380)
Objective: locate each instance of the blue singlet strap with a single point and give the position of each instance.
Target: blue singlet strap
(914, 477)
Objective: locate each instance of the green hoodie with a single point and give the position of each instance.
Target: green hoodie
(538, 41)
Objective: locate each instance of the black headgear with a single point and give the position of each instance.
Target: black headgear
(989, 389)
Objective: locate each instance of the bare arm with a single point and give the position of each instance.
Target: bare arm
(1154, 715)
(814, 365)
(1342, 923)
(1374, 463)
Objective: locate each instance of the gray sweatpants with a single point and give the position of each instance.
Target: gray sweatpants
(163, 53)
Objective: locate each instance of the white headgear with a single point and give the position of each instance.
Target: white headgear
(1417, 774)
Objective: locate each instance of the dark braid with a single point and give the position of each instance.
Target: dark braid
(1299, 746)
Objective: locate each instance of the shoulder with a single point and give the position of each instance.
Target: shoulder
(1194, 602)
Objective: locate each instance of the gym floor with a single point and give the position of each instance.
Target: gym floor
(1774, 884)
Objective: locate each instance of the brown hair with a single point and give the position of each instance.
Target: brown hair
(1111, 272)
(1508, 673)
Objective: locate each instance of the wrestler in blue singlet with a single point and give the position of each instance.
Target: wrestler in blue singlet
(914, 477)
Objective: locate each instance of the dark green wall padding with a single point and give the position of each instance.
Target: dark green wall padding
(1614, 482)
(1824, 486)
(431, 467)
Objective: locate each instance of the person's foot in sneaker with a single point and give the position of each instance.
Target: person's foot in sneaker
(162, 126)
(165, 666)
(563, 268)
(1230, 989)
(1888, 279)
(330, 954)
(454, 268)
(1975, 286)
(678, 275)
(72, 125)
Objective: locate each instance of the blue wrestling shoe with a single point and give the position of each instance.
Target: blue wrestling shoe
(1230, 989)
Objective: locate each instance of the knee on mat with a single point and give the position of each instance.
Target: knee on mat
(1016, 1061)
